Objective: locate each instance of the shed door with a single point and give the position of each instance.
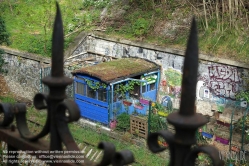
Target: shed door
(93, 104)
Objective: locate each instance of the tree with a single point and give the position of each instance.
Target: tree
(4, 35)
(4, 38)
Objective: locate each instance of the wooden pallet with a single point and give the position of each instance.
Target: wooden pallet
(139, 126)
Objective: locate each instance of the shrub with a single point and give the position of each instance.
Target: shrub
(123, 121)
(140, 27)
(157, 123)
(4, 35)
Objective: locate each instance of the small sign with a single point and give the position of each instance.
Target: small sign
(206, 93)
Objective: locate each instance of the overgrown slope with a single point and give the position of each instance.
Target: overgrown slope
(30, 22)
(223, 25)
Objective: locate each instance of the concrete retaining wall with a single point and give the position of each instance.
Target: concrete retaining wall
(218, 81)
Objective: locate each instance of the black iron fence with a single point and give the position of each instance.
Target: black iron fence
(62, 111)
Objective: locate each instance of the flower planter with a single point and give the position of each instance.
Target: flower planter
(207, 135)
(161, 113)
(144, 101)
(222, 140)
(235, 149)
(138, 107)
(163, 143)
(113, 124)
(127, 103)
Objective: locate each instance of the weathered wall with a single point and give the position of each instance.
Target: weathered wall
(23, 72)
(218, 82)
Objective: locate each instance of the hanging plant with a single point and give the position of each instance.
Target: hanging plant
(95, 85)
(124, 88)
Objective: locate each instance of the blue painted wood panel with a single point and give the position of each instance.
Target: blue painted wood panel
(150, 95)
(91, 100)
(92, 110)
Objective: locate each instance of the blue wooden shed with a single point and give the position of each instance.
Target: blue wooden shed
(102, 91)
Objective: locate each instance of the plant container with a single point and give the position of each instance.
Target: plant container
(144, 101)
(127, 103)
(222, 140)
(138, 106)
(161, 113)
(113, 124)
(207, 135)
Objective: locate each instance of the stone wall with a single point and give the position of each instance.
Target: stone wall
(218, 81)
(24, 72)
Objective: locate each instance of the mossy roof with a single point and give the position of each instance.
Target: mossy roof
(119, 69)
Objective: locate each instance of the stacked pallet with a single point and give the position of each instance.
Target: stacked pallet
(139, 126)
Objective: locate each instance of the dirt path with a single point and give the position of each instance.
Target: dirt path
(4, 90)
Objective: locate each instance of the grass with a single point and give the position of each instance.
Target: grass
(87, 135)
(141, 154)
(7, 99)
(31, 27)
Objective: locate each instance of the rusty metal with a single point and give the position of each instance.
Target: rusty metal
(186, 121)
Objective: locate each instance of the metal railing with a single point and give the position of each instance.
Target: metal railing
(62, 111)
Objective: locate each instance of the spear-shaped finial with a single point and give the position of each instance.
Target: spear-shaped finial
(57, 45)
(190, 70)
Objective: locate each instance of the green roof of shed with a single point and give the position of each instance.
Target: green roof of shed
(119, 69)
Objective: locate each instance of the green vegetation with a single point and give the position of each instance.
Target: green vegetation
(7, 99)
(123, 88)
(4, 39)
(157, 123)
(173, 77)
(30, 23)
(142, 155)
(123, 122)
(4, 35)
(222, 28)
(90, 136)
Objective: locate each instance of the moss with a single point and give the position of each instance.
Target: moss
(118, 69)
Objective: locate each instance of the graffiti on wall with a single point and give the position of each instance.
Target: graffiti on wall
(222, 81)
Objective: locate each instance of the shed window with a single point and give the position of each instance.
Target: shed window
(90, 93)
(80, 88)
(136, 91)
(115, 94)
(102, 95)
(143, 88)
(152, 86)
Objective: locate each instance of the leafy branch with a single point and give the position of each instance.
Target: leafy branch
(124, 88)
(242, 95)
(95, 85)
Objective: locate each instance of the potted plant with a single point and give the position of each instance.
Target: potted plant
(144, 101)
(113, 123)
(135, 112)
(159, 109)
(127, 103)
(123, 122)
(138, 106)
